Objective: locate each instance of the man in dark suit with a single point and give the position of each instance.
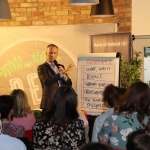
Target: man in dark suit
(52, 75)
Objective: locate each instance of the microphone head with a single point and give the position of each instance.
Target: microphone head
(55, 62)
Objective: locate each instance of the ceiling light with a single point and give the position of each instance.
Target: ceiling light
(83, 2)
(4, 10)
(103, 9)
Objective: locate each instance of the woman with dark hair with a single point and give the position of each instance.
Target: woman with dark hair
(6, 107)
(139, 140)
(95, 146)
(133, 115)
(111, 97)
(60, 127)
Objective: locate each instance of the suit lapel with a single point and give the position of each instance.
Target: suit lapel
(49, 68)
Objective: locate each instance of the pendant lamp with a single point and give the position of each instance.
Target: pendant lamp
(4, 10)
(103, 9)
(83, 2)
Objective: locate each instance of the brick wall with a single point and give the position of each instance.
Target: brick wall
(59, 12)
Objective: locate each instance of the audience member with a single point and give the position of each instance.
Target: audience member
(95, 146)
(111, 96)
(7, 142)
(60, 127)
(140, 139)
(27, 142)
(133, 115)
(6, 107)
(22, 114)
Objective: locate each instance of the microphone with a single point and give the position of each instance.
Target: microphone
(56, 63)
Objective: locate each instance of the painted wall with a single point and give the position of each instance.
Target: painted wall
(22, 49)
(59, 12)
(140, 17)
(141, 27)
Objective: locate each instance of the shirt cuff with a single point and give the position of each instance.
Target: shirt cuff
(61, 74)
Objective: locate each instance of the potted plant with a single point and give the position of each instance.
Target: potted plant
(130, 72)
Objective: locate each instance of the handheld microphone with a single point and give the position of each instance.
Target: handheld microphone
(56, 63)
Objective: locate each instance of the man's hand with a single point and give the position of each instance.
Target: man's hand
(65, 71)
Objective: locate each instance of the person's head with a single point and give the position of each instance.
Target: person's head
(51, 53)
(63, 106)
(6, 106)
(136, 99)
(139, 140)
(21, 106)
(95, 146)
(111, 95)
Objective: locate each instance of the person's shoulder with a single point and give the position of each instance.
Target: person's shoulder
(31, 116)
(7, 142)
(105, 114)
(13, 126)
(41, 123)
(79, 122)
(43, 64)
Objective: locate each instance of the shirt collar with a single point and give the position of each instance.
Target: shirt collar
(50, 63)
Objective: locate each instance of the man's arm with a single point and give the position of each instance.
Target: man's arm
(67, 81)
(64, 73)
(46, 76)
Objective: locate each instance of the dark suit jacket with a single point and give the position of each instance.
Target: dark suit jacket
(49, 83)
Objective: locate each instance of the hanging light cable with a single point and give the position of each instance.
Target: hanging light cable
(103, 9)
(83, 2)
(4, 10)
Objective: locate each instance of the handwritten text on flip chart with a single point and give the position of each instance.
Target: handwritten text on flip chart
(94, 75)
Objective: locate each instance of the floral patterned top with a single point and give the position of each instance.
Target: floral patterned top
(44, 138)
(116, 128)
(13, 130)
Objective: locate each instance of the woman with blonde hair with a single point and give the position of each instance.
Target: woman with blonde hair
(22, 114)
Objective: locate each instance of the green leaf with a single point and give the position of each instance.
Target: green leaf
(10, 67)
(130, 72)
(126, 117)
(42, 57)
(4, 72)
(130, 123)
(58, 58)
(124, 121)
(37, 57)
(1, 74)
(33, 57)
(16, 62)
(7, 70)
(12, 64)
(132, 120)
(20, 62)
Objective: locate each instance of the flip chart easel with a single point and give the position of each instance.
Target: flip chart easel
(95, 72)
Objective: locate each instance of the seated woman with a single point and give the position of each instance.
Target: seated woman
(6, 107)
(10, 143)
(22, 114)
(111, 97)
(60, 127)
(95, 146)
(140, 139)
(134, 111)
